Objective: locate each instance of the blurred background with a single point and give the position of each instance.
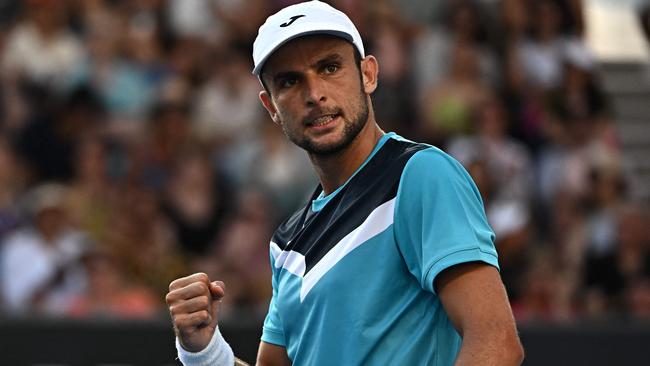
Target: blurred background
(134, 150)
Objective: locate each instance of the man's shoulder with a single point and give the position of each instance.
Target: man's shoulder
(420, 157)
(396, 152)
(397, 143)
(433, 171)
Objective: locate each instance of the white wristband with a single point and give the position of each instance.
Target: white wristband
(217, 353)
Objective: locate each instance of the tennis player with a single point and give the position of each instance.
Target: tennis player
(392, 261)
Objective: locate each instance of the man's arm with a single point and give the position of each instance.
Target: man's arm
(271, 355)
(194, 306)
(476, 302)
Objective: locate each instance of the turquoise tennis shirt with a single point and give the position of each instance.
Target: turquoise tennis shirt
(354, 271)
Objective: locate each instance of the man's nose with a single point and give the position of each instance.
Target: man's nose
(315, 90)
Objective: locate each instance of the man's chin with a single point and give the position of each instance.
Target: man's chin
(325, 148)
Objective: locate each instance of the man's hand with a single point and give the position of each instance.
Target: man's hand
(193, 303)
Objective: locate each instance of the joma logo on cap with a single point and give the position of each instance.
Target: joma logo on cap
(291, 20)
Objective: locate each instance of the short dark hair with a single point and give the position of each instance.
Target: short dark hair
(357, 62)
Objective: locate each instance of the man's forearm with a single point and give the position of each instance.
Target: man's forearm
(487, 351)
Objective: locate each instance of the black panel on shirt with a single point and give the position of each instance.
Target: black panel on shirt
(313, 234)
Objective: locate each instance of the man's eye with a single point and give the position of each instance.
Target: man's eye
(330, 69)
(288, 82)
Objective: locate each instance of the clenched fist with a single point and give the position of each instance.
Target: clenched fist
(193, 303)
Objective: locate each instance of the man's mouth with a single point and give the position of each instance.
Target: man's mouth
(323, 120)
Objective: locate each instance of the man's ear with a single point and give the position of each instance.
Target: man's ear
(369, 73)
(265, 98)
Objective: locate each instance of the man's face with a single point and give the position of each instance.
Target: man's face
(316, 93)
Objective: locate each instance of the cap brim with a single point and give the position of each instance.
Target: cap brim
(332, 32)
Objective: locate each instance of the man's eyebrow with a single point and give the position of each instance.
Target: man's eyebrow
(285, 75)
(332, 57)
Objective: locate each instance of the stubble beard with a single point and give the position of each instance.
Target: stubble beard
(351, 129)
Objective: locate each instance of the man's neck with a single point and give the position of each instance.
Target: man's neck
(336, 169)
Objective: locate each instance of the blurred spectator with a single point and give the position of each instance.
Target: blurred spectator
(450, 108)
(242, 19)
(186, 60)
(505, 181)
(143, 48)
(13, 108)
(227, 109)
(49, 141)
(515, 19)
(143, 241)
(435, 48)
(110, 294)
(240, 257)
(11, 187)
(153, 153)
(638, 298)
(8, 11)
(421, 12)
(567, 163)
(579, 94)
(526, 105)
(566, 241)
(197, 201)
(543, 55)
(126, 68)
(41, 49)
(195, 19)
(634, 242)
(274, 166)
(634, 259)
(393, 101)
(51, 247)
(601, 273)
(508, 162)
(104, 70)
(542, 288)
(91, 196)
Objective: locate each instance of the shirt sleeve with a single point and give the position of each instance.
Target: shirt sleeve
(272, 331)
(439, 217)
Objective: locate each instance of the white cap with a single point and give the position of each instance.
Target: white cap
(312, 17)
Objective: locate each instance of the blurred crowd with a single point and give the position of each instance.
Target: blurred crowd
(134, 150)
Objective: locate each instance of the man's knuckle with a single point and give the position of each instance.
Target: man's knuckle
(173, 309)
(179, 321)
(187, 322)
(170, 298)
(201, 276)
(201, 287)
(177, 283)
(203, 301)
(203, 315)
